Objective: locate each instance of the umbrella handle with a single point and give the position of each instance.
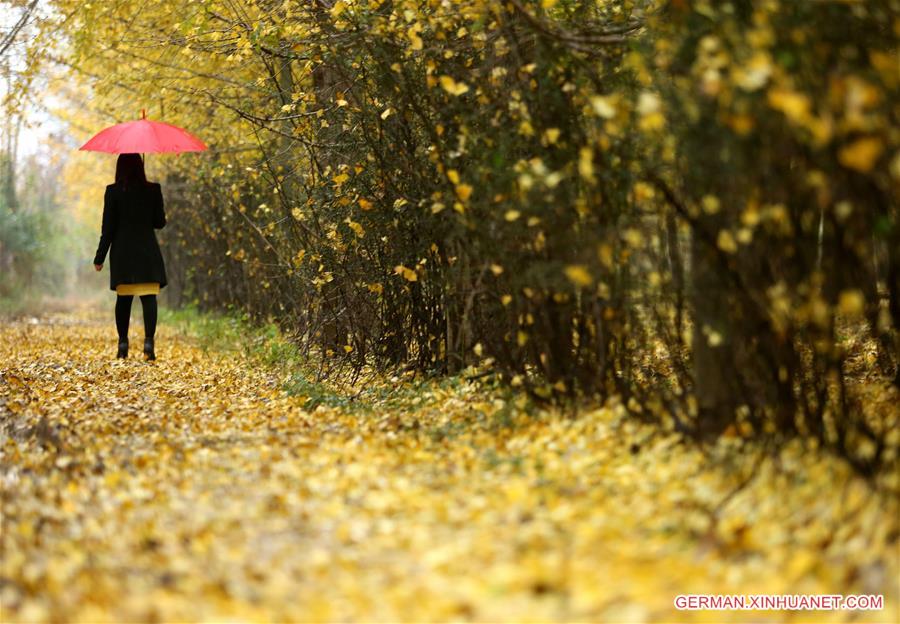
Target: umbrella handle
(143, 116)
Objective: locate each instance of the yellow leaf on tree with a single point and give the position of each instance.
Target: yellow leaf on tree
(414, 38)
(794, 105)
(710, 204)
(452, 87)
(605, 254)
(579, 275)
(586, 163)
(851, 303)
(633, 238)
(862, 154)
(463, 191)
(339, 7)
(643, 191)
(741, 124)
(604, 106)
(356, 227)
(653, 121)
(406, 273)
(726, 242)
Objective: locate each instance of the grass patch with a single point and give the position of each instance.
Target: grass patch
(265, 345)
(19, 304)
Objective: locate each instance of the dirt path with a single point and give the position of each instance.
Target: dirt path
(194, 488)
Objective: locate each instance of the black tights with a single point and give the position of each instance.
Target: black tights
(123, 314)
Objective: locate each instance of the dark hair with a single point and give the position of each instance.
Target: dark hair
(130, 170)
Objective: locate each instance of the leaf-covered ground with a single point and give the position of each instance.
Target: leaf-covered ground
(195, 488)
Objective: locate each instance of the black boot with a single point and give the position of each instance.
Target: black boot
(123, 349)
(148, 349)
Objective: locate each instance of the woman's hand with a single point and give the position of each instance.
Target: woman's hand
(98, 267)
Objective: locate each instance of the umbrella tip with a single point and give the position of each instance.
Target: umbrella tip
(143, 113)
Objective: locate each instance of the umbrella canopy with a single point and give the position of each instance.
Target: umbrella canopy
(143, 136)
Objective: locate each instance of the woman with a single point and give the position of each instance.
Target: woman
(132, 208)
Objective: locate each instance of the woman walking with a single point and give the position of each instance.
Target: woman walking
(132, 210)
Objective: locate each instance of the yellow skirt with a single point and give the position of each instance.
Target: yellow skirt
(146, 288)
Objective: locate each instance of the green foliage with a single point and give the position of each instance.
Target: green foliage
(35, 243)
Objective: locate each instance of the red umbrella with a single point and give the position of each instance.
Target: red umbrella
(143, 136)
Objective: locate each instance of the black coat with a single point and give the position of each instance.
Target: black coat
(129, 218)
